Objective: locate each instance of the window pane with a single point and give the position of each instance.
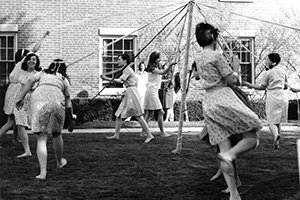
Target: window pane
(128, 44)
(10, 42)
(118, 45)
(10, 54)
(246, 72)
(3, 54)
(3, 41)
(3, 68)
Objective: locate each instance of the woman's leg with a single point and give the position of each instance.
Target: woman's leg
(58, 147)
(248, 142)
(8, 125)
(41, 151)
(15, 133)
(118, 128)
(275, 130)
(145, 127)
(228, 171)
(160, 122)
(147, 118)
(24, 139)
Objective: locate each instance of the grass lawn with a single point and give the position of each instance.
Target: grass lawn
(128, 169)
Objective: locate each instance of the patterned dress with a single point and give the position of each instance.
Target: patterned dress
(131, 103)
(152, 101)
(13, 89)
(23, 116)
(225, 114)
(277, 100)
(48, 103)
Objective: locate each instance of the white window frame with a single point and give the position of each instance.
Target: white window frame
(245, 34)
(10, 30)
(105, 33)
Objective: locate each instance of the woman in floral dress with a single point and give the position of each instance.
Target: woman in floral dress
(30, 66)
(48, 103)
(14, 87)
(225, 114)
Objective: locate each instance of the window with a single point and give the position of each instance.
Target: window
(8, 38)
(109, 54)
(244, 48)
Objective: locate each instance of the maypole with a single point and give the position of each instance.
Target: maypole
(184, 82)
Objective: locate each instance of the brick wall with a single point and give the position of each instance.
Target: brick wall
(74, 26)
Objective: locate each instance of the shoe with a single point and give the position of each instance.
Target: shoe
(276, 142)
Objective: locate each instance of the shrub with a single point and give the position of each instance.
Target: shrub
(89, 110)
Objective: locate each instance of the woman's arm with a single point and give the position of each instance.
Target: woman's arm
(163, 72)
(38, 45)
(257, 87)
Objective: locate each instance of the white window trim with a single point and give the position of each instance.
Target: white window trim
(244, 34)
(10, 30)
(114, 32)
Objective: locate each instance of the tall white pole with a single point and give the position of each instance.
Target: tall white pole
(184, 82)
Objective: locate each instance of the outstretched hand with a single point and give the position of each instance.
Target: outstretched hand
(19, 104)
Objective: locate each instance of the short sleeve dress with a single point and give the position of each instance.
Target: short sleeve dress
(276, 100)
(48, 103)
(131, 103)
(225, 114)
(13, 89)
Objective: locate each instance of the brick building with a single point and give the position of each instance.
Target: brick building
(79, 29)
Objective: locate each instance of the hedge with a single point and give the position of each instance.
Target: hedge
(89, 110)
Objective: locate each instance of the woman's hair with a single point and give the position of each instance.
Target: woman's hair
(206, 34)
(274, 57)
(126, 57)
(20, 54)
(177, 84)
(151, 64)
(140, 66)
(25, 65)
(57, 65)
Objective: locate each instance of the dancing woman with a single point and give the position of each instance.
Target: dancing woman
(225, 114)
(48, 103)
(14, 87)
(152, 102)
(130, 105)
(275, 82)
(31, 65)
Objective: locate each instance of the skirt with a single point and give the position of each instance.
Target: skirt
(130, 105)
(152, 101)
(11, 94)
(226, 115)
(276, 106)
(48, 109)
(23, 116)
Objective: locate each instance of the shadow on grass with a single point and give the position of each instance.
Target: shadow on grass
(128, 169)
